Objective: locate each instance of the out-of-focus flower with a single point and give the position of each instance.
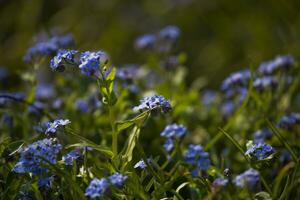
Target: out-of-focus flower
(220, 182)
(289, 120)
(248, 179)
(49, 47)
(169, 33)
(197, 157)
(97, 188)
(262, 135)
(31, 157)
(279, 63)
(44, 91)
(117, 179)
(174, 130)
(236, 79)
(265, 82)
(169, 144)
(145, 41)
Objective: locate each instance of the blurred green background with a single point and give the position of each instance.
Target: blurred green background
(218, 36)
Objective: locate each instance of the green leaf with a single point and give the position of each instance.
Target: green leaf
(262, 196)
(88, 143)
(138, 120)
(131, 142)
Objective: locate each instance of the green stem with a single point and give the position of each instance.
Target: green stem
(114, 133)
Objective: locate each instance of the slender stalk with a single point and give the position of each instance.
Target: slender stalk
(114, 133)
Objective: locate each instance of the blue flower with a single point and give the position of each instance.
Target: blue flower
(174, 130)
(31, 157)
(127, 73)
(280, 62)
(140, 164)
(82, 105)
(97, 188)
(62, 58)
(53, 126)
(44, 91)
(236, 79)
(289, 120)
(45, 182)
(169, 144)
(197, 157)
(248, 179)
(48, 47)
(260, 151)
(117, 179)
(169, 33)
(90, 62)
(145, 42)
(70, 157)
(154, 103)
(220, 182)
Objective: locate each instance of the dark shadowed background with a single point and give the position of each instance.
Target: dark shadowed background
(218, 36)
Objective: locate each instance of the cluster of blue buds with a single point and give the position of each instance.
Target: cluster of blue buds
(160, 42)
(100, 187)
(259, 151)
(155, 103)
(52, 127)
(171, 133)
(198, 158)
(70, 157)
(249, 179)
(289, 120)
(62, 58)
(279, 63)
(33, 156)
(49, 47)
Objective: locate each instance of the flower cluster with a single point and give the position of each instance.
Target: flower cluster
(33, 156)
(90, 62)
(259, 151)
(172, 132)
(160, 42)
(49, 47)
(154, 103)
(197, 157)
(62, 58)
(98, 188)
(279, 63)
(52, 127)
(289, 120)
(248, 179)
